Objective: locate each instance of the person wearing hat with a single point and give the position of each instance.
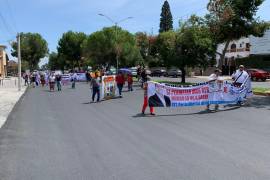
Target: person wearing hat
(240, 76)
(213, 80)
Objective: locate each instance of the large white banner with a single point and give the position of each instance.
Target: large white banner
(163, 95)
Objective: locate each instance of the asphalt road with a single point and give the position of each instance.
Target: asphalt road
(61, 136)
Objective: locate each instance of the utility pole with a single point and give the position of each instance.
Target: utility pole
(116, 36)
(19, 62)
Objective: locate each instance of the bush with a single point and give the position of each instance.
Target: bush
(259, 62)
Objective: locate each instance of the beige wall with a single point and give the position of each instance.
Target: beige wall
(3, 61)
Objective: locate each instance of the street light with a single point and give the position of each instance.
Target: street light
(116, 23)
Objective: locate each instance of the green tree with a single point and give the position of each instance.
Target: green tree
(56, 61)
(33, 48)
(166, 20)
(105, 46)
(190, 46)
(232, 19)
(70, 48)
(195, 46)
(142, 42)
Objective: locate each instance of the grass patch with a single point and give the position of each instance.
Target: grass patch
(260, 90)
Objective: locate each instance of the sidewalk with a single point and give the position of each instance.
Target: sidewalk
(9, 96)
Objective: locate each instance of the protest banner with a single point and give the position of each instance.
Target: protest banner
(163, 95)
(108, 87)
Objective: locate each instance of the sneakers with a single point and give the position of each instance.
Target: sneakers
(152, 114)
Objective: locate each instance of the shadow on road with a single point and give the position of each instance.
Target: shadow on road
(85, 103)
(259, 102)
(187, 114)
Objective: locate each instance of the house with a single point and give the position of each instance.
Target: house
(3, 61)
(12, 68)
(242, 48)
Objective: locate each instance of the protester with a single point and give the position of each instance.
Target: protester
(73, 80)
(88, 77)
(240, 76)
(139, 71)
(213, 81)
(130, 82)
(26, 79)
(58, 82)
(42, 80)
(37, 79)
(33, 79)
(95, 84)
(120, 81)
(145, 101)
(143, 77)
(52, 82)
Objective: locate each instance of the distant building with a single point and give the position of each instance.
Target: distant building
(242, 48)
(3, 61)
(12, 68)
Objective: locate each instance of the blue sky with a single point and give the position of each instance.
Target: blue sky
(51, 18)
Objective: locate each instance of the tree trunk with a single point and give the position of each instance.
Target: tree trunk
(183, 75)
(222, 56)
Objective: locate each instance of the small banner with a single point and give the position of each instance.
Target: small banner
(164, 95)
(108, 87)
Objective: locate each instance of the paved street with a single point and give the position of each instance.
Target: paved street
(61, 136)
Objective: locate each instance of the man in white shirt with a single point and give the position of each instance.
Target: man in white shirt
(240, 76)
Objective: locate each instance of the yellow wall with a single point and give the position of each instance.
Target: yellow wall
(3, 62)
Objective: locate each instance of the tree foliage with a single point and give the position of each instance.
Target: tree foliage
(103, 47)
(166, 19)
(33, 48)
(56, 62)
(233, 19)
(70, 48)
(190, 46)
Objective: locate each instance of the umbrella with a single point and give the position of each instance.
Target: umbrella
(125, 71)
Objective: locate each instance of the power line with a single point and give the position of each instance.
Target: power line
(10, 10)
(8, 28)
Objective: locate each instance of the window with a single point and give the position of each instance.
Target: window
(233, 48)
(247, 47)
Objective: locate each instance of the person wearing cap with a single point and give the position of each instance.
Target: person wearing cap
(213, 80)
(240, 76)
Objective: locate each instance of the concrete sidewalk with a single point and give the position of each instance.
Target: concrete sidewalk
(9, 96)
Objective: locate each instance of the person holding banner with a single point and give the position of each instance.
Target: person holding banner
(214, 80)
(242, 79)
(145, 101)
(240, 76)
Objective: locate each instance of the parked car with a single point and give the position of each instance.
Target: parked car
(148, 72)
(174, 73)
(159, 72)
(258, 74)
(133, 71)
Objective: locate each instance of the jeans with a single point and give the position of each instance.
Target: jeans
(130, 88)
(95, 91)
(120, 87)
(73, 84)
(59, 86)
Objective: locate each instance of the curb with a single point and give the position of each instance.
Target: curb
(262, 94)
(14, 107)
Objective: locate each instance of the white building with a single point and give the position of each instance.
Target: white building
(242, 48)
